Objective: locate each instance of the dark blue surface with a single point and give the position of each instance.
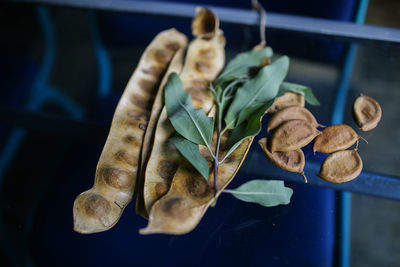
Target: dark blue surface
(232, 234)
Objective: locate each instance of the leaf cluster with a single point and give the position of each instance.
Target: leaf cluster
(242, 92)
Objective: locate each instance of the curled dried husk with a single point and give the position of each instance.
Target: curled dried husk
(367, 112)
(292, 135)
(204, 60)
(205, 24)
(292, 161)
(291, 113)
(99, 208)
(335, 138)
(288, 99)
(341, 166)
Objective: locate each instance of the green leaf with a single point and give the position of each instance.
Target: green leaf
(191, 152)
(240, 65)
(191, 123)
(251, 127)
(266, 193)
(259, 90)
(300, 89)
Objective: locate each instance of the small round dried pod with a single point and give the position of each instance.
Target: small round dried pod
(292, 135)
(341, 166)
(291, 113)
(334, 138)
(292, 161)
(367, 112)
(288, 99)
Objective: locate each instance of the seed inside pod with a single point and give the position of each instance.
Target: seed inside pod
(291, 113)
(341, 166)
(292, 161)
(292, 135)
(288, 99)
(335, 138)
(367, 112)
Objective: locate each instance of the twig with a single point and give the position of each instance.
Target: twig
(257, 6)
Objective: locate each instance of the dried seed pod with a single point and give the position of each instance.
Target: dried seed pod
(99, 208)
(341, 166)
(204, 60)
(292, 161)
(335, 138)
(288, 99)
(181, 209)
(367, 112)
(292, 135)
(205, 24)
(291, 113)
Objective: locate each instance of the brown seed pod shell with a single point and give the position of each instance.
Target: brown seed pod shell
(292, 135)
(367, 112)
(292, 161)
(334, 138)
(189, 197)
(204, 60)
(291, 113)
(205, 23)
(341, 166)
(99, 208)
(288, 99)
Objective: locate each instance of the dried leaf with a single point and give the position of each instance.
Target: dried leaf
(335, 138)
(367, 113)
(341, 166)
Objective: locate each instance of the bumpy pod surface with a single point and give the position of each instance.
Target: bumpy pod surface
(288, 99)
(341, 166)
(292, 135)
(291, 113)
(181, 209)
(367, 113)
(335, 138)
(99, 208)
(204, 60)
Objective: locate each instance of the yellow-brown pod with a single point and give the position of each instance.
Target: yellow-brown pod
(288, 99)
(334, 138)
(291, 113)
(175, 66)
(204, 60)
(205, 24)
(99, 208)
(367, 112)
(341, 166)
(181, 209)
(292, 161)
(292, 135)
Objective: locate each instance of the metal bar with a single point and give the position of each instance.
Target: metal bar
(292, 23)
(369, 183)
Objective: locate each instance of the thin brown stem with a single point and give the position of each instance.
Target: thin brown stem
(261, 11)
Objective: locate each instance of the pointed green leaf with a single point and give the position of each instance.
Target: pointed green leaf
(191, 152)
(191, 123)
(240, 65)
(266, 193)
(251, 127)
(302, 90)
(259, 90)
